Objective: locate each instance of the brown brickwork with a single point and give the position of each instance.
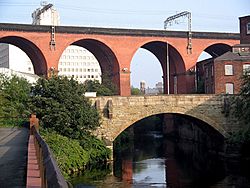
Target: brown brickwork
(221, 79)
(115, 48)
(244, 36)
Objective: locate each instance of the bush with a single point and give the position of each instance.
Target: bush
(71, 156)
(68, 153)
(96, 148)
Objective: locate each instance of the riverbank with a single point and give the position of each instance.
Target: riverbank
(73, 156)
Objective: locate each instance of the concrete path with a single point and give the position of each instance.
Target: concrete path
(13, 157)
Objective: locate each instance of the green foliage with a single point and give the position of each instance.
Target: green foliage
(14, 96)
(242, 102)
(106, 88)
(239, 137)
(74, 155)
(135, 91)
(13, 121)
(93, 174)
(241, 111)
(100, 89)
(96, 148)
(68, 153)
(61, 106)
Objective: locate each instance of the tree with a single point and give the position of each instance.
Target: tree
(135, 91)
(242, 102)
(100, 89)
(241, 111)
(61, 106)
(14, 96)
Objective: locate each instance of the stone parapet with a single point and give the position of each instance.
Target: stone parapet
(128, 110)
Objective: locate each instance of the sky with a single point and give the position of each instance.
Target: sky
(207, 15)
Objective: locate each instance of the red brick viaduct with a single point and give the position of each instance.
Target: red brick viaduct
(115, 48)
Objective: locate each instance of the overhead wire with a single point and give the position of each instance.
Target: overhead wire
(142, 13)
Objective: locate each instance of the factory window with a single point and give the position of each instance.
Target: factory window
(228, 70)
(248, 28)
(246, 69)
(229, 88)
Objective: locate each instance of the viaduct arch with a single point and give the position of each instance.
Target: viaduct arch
(114, 48)
(32, 51)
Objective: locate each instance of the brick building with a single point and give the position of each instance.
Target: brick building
(222, 74)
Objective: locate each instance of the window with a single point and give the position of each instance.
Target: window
(229, 88)
(228, 70)
(248, 28)
(246, 69)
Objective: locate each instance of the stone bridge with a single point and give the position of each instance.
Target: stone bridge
(118, 113)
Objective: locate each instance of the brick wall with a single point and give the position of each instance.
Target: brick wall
(221, 79)
(244, 37)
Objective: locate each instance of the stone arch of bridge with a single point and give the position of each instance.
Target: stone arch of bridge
(105, 56)
(33, 52)
(180, 111)
(176, 64)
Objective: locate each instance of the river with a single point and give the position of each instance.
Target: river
(152, 160)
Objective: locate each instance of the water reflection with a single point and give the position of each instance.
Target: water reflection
(143, 172)
(152, 160)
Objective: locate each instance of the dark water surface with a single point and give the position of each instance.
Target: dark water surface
(154, 161)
